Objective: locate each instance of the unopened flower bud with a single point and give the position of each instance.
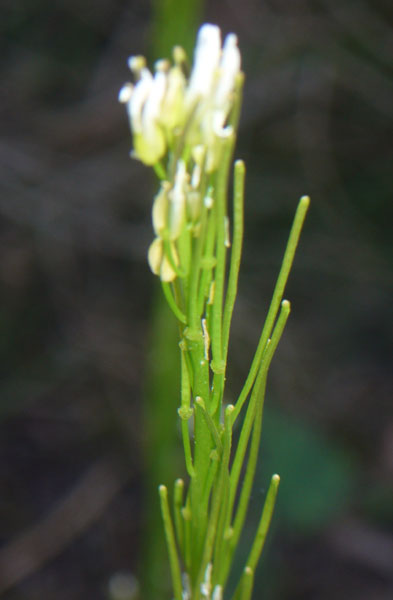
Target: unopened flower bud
(136, 64)
(159, 262)
(178, 201)
(160, 209)
(173, 111)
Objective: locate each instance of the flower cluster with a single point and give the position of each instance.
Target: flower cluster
(167, 108)
(179, 125)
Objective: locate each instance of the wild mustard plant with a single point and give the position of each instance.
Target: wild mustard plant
(184, 125)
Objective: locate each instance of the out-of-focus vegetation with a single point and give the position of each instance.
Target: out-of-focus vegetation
(76, 294)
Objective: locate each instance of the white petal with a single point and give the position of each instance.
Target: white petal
(153, 136)
(126, 93)
(138, 99)
(229, 68)
(153, 103)
(206, 61)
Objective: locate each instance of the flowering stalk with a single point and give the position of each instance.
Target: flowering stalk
(185, 128)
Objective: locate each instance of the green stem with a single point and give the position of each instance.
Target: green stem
(184, 251)
(187, 447)
(217, 395)
(264, 523)
(169, 254)
(187, 515)
(217, 502)
(172, 303)
(202, 443)
(217, 365)
(282, 279)
(192, 301)
(210, 423)
(250, 471)
(185, 412)
(237, 242)
(245, 586)
(251, 410)
(160, 171)
(208, 261)
(245, 489)
(221, 541)
(211, 475)
(171, 543)
(178, 490)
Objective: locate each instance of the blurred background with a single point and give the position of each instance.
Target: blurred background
(83, 441)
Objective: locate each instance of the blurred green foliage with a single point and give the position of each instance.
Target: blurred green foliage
(174, 23)
(317, 476)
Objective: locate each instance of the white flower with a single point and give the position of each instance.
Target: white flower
(144, 102)
(210, 93)
(138, 98)
(152, 146)
(186, 119)
(166, 109)
(226, 82)
(206, 61)
(229, 68)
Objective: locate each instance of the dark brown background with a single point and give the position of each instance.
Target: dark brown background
(76, 297)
